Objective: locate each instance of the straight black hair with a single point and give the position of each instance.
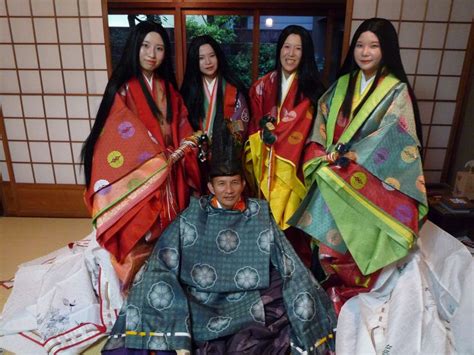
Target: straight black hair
(191, 89)
(309, 83)
(128, 67)
(391, 62)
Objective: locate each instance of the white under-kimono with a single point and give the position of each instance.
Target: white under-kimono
(63, 302)
(423, 304)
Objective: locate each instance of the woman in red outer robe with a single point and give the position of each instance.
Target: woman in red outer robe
(140, 157)
(282, 112)
(214, 96)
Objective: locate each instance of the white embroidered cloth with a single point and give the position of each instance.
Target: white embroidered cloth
(423, 304)
(62, 302)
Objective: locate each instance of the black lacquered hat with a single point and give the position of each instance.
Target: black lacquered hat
(226, 154)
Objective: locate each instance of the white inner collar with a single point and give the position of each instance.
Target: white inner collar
(365, 82)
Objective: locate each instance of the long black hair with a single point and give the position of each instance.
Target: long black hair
(128, 67)
(191, 89)
(309, 83)
(390, 62)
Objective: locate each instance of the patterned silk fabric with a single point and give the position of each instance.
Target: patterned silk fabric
(204, 278)
(134, 191)
(374, 207)
(276, 168)
(235, 112)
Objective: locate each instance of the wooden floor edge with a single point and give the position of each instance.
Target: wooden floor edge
(43, 200)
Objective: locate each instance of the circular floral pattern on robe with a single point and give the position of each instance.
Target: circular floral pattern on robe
(157, 342)
(295, 137)
(188, 232)
(323, 107)
(170, 257)
(403, 213)
(381, 156)
(409, 154)
(126, 130)
(306, 219)
(228, 241)
(265, 240)
(322, 131)
(132, 184)
(204, 275)
(247, 278)
(391, 184)
(102, 187)
(257, 311)
(218, 324)
(200, 296)
(304, 306)
(133, 318)
(139, 275)
(235, 296)
(115, 159)
(144, 156)
(252, 208)
(288, 116)
(160, 296)
(402, 125)
(289, 265)
(333, 237)
(358, 180)
(420, 183)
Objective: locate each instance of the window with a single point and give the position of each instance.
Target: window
(248, 32)
(234, 35)
(119, 28)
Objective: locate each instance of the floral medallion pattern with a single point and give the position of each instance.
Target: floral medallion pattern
(160, 296)
(247, 278)
(304, 306)
(188, 233)
(218, 324)
(204, 275)
(200, 296)
(265, 240)
(170, 257)
(228, 241)
(133, 317)
(258, 312)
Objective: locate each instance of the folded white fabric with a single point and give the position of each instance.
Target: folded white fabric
(62, 302)
(422, 304)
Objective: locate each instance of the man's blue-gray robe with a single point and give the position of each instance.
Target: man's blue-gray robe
(204, 278)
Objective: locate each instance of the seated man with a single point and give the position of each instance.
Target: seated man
(223, 279)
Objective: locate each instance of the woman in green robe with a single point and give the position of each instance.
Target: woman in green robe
(366, 199)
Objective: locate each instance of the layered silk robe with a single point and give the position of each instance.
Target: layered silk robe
(374, 207)
(134, 191)
(235, 111)
(236, 116)
(204, 281)
(276, 169)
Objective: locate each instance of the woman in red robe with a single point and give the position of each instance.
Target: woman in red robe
(140, 157)
(282, 105)
(215, 98)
